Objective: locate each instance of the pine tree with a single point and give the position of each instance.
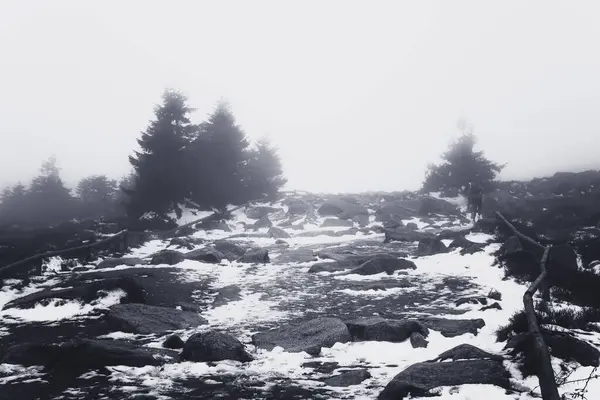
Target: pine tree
(50, 202)
(217, 157)
(264, 172)
(98, 196)
(159, 167)
(461, 165)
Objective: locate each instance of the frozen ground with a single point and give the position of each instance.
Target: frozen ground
(274, 293)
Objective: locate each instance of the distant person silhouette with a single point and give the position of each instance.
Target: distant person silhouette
(475, 199)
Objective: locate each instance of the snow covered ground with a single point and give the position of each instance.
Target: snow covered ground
(276, 292)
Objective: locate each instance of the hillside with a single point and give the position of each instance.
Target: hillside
(315, 296)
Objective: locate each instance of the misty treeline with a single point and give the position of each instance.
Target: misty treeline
(460, 165)
(208, 165)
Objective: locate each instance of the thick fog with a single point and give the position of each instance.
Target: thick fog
(356, 95)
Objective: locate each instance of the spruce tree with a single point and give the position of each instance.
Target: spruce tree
(217, 157)
(264, 172)
(461, 165)
(159, 166)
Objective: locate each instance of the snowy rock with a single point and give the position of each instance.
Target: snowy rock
(145, 319)
(466, 246)
(431, 246)
(84, 291)
(341, 208)
(406, 235)
(260, 212)
(386, 330)
(115, 262)
(379, 265)
(81, 355)
(258, 256)
(231, 251)
(169, 257)
(361, 220)
(296, 256)
(207, 255)
(214, 346)
(278, 233)
(466, 352)
(412, 226)
(263, 222)
(431, 205)
(307, 336)
(227, 294)
(495, 295)
(417, 340)
(471, 300)
(297, 207)
(453, 327)
(336, 222)
(173, 342)
(348, 378)
(419, 379)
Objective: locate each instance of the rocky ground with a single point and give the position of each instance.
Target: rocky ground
(311, 297)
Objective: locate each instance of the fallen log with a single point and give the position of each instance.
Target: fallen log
(545, 373)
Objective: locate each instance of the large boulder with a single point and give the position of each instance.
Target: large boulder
(263, 222)
(144, 319)
(379, 265)
(336, 222)
(214, 346)
(430, 247)
(418, 379)
(206, 255)
(362, 220)
(387, 330)
(466, 246)
(431, 205)
(260, 211)
(115, 262)
(348, 378)
(297, 207)
(79, 355)
(396, 210)
(453, 327)
(308, 336)
(342, 209)
(255, 256)
(406, 235)
(169, 257)
(231, 251)
(227, 294)
(296, 256)
(278, 233)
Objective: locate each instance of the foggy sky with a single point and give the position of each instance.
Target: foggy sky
(357, 95)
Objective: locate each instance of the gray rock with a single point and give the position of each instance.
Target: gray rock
(207, 255)
(264, 222)
(348, 378)
(173, 342)
(296, 256)
(169, 257)
(486, 225)
(315, 233)
(417, 340)
(511, 246)
(466, 245)
(453, 327)
(431, 205)
(278, 233)
(385, 330)
(562, 257)
(412, 226)
(419, 379)
(336, 222)
(379, 265)
(308, 336)
(431, 246)
(405, 235)
(231, 251)
(297, 207)
(227, 294)
(145, 319)
(214, 346)
(257, 256)
(342, 208)
(362, 220)
(495, 295)
(467, 352)
(115, 262)
(260, 211)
